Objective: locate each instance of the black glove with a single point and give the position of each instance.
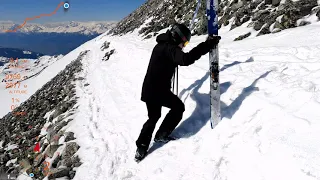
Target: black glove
(212, 41)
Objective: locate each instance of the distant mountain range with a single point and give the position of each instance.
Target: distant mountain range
(17, 53)
(51, 38)
(87, 28)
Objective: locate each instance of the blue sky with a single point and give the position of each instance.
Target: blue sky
(80, 10)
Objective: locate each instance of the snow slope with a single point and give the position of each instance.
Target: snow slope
(270, 97)
(270, 121)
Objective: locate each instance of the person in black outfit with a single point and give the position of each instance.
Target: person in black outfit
(156, 90)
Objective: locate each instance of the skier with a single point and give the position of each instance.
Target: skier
(156, 90)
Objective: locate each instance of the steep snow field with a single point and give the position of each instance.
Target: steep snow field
(270, 121)
(270, 101)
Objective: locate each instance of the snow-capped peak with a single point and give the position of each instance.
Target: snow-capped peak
(92, 27)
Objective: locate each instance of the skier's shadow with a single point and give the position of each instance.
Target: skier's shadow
(226, 66)
(201, 115)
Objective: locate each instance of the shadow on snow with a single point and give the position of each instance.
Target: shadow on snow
(235, 63)
(201, 115)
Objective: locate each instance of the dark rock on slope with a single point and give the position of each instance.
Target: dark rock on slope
(20, 133)
(265, 16)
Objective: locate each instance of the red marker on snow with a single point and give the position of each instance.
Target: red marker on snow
(37, 148)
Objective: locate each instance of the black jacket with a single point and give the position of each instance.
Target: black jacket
(166, 56)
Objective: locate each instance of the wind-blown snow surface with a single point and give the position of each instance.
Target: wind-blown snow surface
(270, 124)
(270, 102)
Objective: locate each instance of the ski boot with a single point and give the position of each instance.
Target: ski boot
(163, 138)
(141, 153)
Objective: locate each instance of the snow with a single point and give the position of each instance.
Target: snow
(27, 52)
(279, 18)
(312, 18)
(30, 70)
(11, 161)
(143, 25)
(269, 129)
(270, 125)
(271, 28)
(11, 147)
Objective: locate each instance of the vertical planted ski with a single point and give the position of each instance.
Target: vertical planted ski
(212, 9)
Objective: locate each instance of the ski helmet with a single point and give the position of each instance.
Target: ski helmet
(181, 34)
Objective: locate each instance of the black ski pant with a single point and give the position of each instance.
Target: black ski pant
(169, 123)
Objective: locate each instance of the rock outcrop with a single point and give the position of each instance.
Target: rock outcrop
(265, 16)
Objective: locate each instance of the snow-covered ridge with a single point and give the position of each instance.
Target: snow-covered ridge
(270, 96)
(259, 15)
(94, 27)
(269, 130)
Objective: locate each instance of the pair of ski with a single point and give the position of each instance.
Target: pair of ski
(212, 16)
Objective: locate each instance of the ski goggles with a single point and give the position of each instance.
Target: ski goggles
(184, 39)
(185, 43)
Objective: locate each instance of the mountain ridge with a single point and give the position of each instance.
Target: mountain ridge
(87, 28)
(263, 16)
